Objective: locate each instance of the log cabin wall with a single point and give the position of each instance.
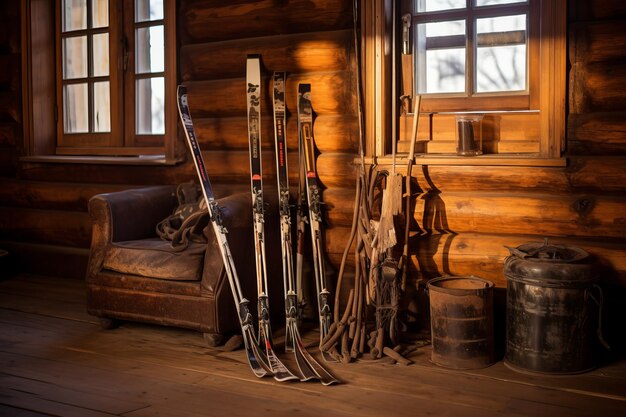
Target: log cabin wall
(466, 214)
(43, 206)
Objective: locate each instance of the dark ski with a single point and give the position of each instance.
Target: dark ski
(308, 367)
(253, 79)
(313, 197)
(257, 361)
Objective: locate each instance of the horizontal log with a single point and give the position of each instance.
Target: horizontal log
(540, 214)
(597, 87)
(597, 133)
(577, 215)
(332, 133)
(212, 20)
(583, 174)
(62, 228)
(483, 255)
(330, 94)
(297, 53)
(585, 10)
(597, 41)
(108, 174)
(334, 169)
(51, 195)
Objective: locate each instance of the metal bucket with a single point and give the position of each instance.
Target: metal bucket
(461, 321)
(550, 316)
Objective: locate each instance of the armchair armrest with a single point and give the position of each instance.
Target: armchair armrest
(126, 215)
(133, 214)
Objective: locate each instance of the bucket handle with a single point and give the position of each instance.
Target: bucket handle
(600, 302)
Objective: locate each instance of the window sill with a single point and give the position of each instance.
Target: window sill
(481, 160)
(147, 160)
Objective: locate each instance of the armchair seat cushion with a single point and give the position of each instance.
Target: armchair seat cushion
(155, 258)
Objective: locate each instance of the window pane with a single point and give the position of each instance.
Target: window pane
(74, 15)
(150, 106)
(434, 5)
(74, 57)
(440, 57)
(101, 55)
(501, 54)
(146, 10)
(75, 108)
(454, 27)
(495, 2)
(501, 24)
(445, 71)
(101, 107)
(501, 68)
(99, 13)
(150, 50)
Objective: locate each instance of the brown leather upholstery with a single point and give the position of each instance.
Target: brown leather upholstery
(132, 275)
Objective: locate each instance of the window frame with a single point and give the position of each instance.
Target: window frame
(547, 101)
(43, 119)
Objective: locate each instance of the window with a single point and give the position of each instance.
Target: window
(478, 51)
(111, 89)
(501, 59)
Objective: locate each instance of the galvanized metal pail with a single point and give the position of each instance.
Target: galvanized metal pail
(461, 321)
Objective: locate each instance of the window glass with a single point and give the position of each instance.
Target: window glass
(102, 105)
(441, 57)
(100, 62)
(74, 15)
(147, 10)
(76, 108)
(150, 106)
(99, 13)
(501, 54)
(435, 5)
(480, 3)
(74, 57)
(150, 49)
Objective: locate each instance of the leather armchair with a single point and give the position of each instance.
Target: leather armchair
(133, 275)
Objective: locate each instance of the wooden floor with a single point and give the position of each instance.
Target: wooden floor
(55, 360)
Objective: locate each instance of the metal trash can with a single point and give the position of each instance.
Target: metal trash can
(461, 319)
(551, 320)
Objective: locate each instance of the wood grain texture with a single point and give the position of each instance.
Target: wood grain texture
(332, 133)
(294, 54)
(330, 94)
(58, 362)
(211, 20)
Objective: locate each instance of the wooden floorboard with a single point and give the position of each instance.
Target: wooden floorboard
(56, 360)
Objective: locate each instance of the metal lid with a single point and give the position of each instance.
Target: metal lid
(544, 264)
(545, 252)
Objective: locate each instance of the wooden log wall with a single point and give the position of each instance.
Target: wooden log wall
(463, 216)
(10, 85)
(43, 206)
(466, 215)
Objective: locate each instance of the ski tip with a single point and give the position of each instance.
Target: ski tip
(285, 378)
(328, 382)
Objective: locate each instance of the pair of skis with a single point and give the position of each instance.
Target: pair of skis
(259, 351)
(308, 367)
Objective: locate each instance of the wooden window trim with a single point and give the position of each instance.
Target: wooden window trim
(39, 96)
(549, 102)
